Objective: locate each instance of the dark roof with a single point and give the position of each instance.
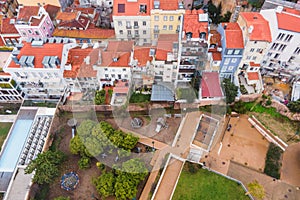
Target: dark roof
(162, 93)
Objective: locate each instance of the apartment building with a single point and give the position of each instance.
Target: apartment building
(8, 8)
(284, 51)
(114, 63)
(34, 21)
(131, 20)
(8, 33)
(37, 66)
(8, 92)
(166, 16)
(257, 37)
(193, 55)
(232, 49)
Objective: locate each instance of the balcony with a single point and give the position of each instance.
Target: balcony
(135, 27)
(128, 27)
(156, 31)
(137, 35)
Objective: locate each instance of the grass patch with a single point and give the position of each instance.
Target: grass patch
(206, 185)
(273, 161)
(139, 98)
(4, 129)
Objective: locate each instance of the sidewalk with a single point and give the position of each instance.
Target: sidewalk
(7, 118)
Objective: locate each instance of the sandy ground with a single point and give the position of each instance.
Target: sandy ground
(168, 182)
(275, 189)
(290, 170)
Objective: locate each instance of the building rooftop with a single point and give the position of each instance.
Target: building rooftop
(261, 30)
(288, 22)
(167, 4)
(215, 38)
(164, 46)
(39, 52)
(210, 85)
(132, 8)
(253, 76)
(82, 61)
(216, 56)
(142, 55)
(195, 22)
(162, 93)
(90, 33)
(80, 22)
(26, 12)
(52, 10)
(233, 35)
(8, 27)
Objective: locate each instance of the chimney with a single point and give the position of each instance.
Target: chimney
(279, 9)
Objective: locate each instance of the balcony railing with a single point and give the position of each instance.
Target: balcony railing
(128, 27)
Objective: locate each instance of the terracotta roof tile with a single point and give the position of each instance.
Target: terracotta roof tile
(261, 30)
(288, 22)
(48, 49)
(291, 10)
(52, 10)
(7, 27)
(215, 38)
(120, 46)
(142, 55)
(210, 85)
(192, 24)
(92, 33)
(252, 64)
(36, 21)
(233, 35)
(81, 22)
(66, 16)
(253, 75)
(165, 45)
(26, 12)
(168, 4)
(216, 56)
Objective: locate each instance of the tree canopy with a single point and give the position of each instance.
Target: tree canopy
(231, 90)
(294, 106)
(105, 184)
(46, 166)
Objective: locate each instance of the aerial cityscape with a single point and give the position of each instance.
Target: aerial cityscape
(149, 99)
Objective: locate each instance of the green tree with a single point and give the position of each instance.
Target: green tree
(231, 90)
(256, 190)
(226, 17)
(123, 153)
(105, 184)
(46, 166)
(294, 106)
(100, 96)
(84, 162)
(125, 188)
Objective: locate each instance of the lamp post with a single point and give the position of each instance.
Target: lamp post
(153, 149)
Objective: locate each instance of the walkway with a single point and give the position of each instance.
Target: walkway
(7, 118)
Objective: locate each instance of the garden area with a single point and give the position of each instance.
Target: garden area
(105, 160)
(13, 107)
(4, 129)
(198, 183)
(278, 124)
(103, 96)
(139, 98)
(273, 161)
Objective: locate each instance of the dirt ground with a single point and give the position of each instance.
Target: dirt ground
(290, 170)
(274, 189)
(242, 144)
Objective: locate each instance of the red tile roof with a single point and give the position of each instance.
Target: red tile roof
(36, 21)
(130, 8)
(165, 45)
(216, 56)
(252, 64)
(52, 10)
(288, 22)
(92, 33)
(48, 49)
(7, 27)
(168, 4)
(192, 24)
(142, 55)
(120, 46)
(66, 16)
(27, 11)
(210, 85)
(81, 22)
(80, 68)
(261, 30)
(233, 35)
(253, 75)
(215, 38)
(291, 10)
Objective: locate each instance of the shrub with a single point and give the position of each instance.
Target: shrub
(84, 162)
(273, 161)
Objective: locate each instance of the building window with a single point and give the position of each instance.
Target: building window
(121, 32)
(164, 27)
(155, 35)
(170, 27)
(171, 18)
(297, 50)
(136, 32)
(236, 52)
(44, 27)
(29, 31)
(121, 8)
(36, 32)
(288, 38)
(143, 8)
(128, 32)
(155, 27)
(105, 69)
(106, 75)
(276, 55)
(165, 18)
(233, 60)
(229, 52)
(230, 68)
(124, 69)
(136, 24)
(120, 23)
(145, 40)
(258, 50)
(248, 57)
(254, 58)
(128, 24)
(144, 23)
(269, 54)
(252, 50)
(24, 34)
(144, 32)
(280, 36)
(156, 18)
(179, 18)
(227, 60)
(48, 22)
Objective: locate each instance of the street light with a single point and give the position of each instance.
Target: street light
(153, 149)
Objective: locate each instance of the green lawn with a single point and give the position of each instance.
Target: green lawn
(206, 185)
(4, 129)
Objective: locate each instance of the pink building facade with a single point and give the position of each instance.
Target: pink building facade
(34, 21)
